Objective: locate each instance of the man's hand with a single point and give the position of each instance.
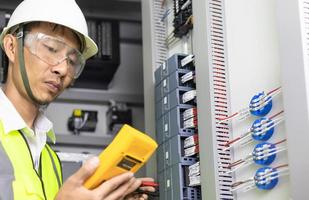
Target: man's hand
(114, 189)
(132, 195)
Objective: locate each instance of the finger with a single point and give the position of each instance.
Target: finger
(120, 192)
(113, 183)
(137, 197)
(137, 185)
(130, 189)
(134, 186)
(86, 170)
(147, 179)
(130, 183)
(144, 196)
(148, 189)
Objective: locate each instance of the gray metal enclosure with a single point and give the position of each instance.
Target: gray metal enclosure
(249, 46)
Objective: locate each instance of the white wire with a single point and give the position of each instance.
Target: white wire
(266, 175)
(273, 123)
(250, 183)
(185, 5)
(261, 103)
(249, 159)
(247, 142)
(247, 182)
(271, 153)
(244, 113)
(262, 148)
(243, 136)
(262, 125)
(241, 112)
(270, 176)
(264, 151)
(245, 163)
(84, 120)
(269, 98)
(261, 122)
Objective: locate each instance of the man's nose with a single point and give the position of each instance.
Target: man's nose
(61, 68)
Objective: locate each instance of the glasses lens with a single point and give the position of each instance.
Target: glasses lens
(54, 51)
(77, 62)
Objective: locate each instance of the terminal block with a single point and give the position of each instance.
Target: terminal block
(173, 185)
(172, 64)
(171, 152)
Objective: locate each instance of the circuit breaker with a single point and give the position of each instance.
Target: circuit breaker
(175, 98)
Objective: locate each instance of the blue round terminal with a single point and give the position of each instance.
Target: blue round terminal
(258, 129)
(267, 160)
(255, 104)
(269, 182)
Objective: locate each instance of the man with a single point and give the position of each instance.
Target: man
(47, 43)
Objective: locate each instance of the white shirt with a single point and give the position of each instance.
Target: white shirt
(36, 138)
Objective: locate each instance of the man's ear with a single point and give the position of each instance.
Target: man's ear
(10, 46)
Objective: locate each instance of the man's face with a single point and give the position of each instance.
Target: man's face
(48, 81)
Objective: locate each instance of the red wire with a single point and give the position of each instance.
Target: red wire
(149, 183)
(238, 113)
(280, 142)
(275, 115)
(274, 90)
(238, 138)
(232, 141)
(238, 162)
(237, 184)
(280, 166)
(221, 119)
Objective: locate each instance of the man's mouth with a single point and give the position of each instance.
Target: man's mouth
(54, 86)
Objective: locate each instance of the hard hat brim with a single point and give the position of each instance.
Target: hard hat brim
(90, 48)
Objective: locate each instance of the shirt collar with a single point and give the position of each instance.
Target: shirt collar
(12, 120)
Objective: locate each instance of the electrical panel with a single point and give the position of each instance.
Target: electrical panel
(183, 16)
(176, 128)
(100, 69)
(223, 131)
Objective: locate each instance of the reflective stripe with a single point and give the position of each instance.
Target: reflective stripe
(49, 175)
(59, 166)
(6, 175)
(18, 178)
(54, 166)
(37, 176)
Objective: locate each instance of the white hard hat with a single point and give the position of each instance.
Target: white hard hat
(62, 12)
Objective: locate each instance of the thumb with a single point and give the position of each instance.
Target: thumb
(87, 169)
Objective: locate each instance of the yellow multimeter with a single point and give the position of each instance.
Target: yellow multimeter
(128, 151)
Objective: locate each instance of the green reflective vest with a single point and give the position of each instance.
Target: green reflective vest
(18, 178)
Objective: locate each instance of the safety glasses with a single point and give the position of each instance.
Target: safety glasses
(54, 51)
